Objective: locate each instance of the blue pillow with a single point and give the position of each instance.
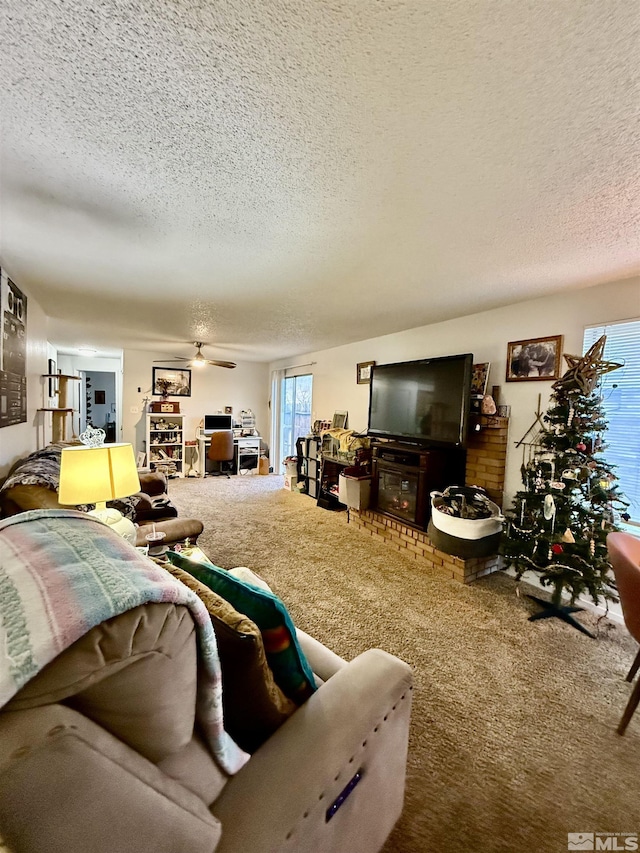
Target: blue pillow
(290, 668)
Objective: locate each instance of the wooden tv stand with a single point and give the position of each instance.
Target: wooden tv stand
(404, 475)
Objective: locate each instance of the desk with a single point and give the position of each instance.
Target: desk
(243, 447)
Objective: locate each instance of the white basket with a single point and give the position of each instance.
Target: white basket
(466, 528)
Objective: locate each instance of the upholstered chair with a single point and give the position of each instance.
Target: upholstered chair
(221, 450)
(624, 553)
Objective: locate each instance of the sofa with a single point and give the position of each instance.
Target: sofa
(101, 750)
(33, 483)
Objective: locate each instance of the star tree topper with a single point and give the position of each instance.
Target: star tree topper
(584, 371)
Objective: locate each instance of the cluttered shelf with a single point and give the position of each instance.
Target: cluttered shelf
(325, 461)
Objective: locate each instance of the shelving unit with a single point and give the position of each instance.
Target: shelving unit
(309, 467)
(165, 443)
(60, 413)
(333, 463)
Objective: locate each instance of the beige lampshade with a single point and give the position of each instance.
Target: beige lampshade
(97, 474)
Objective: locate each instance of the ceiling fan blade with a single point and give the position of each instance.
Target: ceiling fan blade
(163, 360)
(229, 364)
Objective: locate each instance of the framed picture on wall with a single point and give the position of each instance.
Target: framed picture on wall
(534, 359)
(171, 382)
(363, 372)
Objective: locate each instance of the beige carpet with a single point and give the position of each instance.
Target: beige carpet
(513, 741)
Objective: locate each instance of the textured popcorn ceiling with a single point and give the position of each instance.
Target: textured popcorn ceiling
(276, 177)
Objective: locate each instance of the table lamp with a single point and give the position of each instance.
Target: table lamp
(97, 475)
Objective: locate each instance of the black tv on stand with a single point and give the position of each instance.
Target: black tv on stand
(424, 402)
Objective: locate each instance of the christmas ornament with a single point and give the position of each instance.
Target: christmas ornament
(581, 446)
(568, 536)
(625, 516)
(556, 484)
(592, 547)
(557, 548)
(584, 371)
(549, 507)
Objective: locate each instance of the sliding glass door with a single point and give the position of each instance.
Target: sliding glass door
(295, 412)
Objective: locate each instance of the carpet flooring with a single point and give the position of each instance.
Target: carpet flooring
(513, 741)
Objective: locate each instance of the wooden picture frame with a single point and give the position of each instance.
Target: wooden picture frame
(534, 360)
(363, 372)
(339, 420)
(171, 382)
(99, 398)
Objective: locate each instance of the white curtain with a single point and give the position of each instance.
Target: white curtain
(275, 460)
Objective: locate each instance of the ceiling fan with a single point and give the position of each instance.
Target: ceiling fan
(198, 360)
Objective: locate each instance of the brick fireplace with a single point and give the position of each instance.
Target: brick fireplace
(485, 466)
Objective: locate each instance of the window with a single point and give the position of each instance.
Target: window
(621, 404)
(296, 412)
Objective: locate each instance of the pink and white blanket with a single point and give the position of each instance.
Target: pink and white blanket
(62, 573)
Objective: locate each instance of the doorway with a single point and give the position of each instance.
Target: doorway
(98, 402)
(99, 366)
(295, 412)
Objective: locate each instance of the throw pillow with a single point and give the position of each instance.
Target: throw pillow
(290, 667)
(254, 706)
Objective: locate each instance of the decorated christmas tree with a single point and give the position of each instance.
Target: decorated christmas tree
(570, 501)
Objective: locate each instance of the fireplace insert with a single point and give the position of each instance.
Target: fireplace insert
(404, 476)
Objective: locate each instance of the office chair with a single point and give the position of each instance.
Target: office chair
(221, 450)
(624, 554)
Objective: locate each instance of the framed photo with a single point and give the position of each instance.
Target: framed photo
(534, 360)
(339, 420)
(141, 459)
(479, 379)
(363, 372)
(170, 382)
(99, 398)
(228, 410)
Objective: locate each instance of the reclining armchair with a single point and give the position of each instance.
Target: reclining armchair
(101, 751)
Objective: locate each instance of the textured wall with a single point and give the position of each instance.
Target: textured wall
(289, 176)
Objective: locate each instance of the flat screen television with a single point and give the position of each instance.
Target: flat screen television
(212, 423)
(423, 402)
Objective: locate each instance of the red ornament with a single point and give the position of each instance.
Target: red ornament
(581, 446)
(557, 548)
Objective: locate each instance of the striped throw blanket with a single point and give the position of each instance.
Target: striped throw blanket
(63, 572)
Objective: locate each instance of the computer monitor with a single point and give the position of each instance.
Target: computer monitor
(212, 423)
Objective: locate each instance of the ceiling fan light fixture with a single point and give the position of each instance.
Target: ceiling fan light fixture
(198, 360)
